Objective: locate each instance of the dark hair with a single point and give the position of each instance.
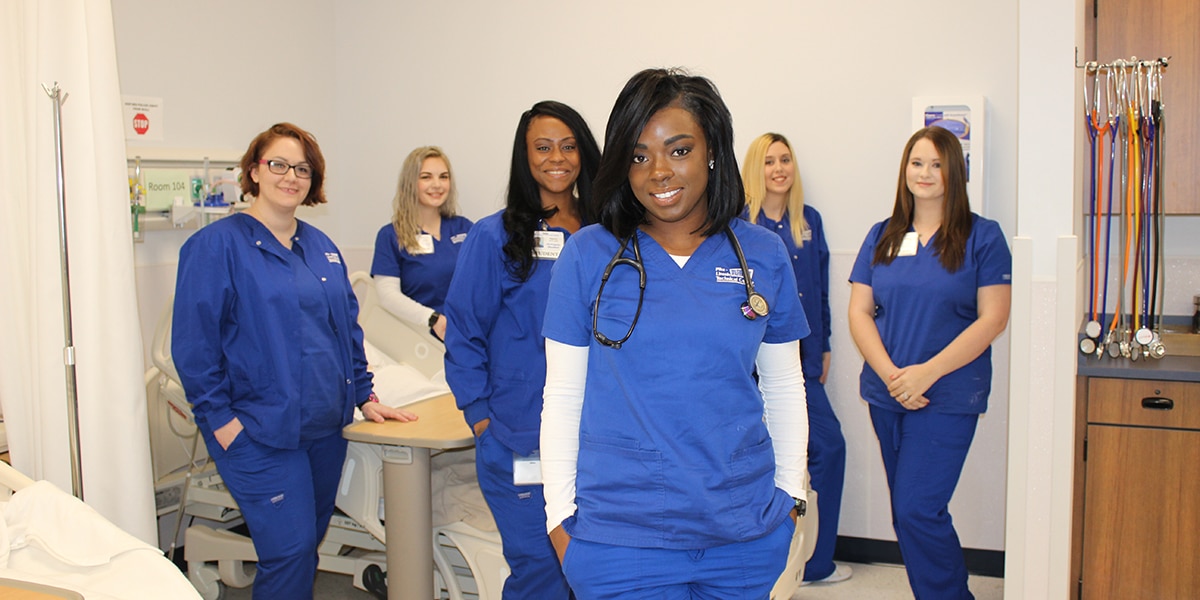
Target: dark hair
(950, 245)
(645, 94)
(523, 206)
(312, 156)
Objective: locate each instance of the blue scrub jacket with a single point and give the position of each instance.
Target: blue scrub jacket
(921, 308)
(810, 264)
(235, 333)
(423, 277)
(495, 352)
(673, 448)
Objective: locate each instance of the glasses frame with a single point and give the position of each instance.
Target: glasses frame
(271, 166)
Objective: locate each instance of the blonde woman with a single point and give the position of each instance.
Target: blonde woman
(415, 253)
(775, 200)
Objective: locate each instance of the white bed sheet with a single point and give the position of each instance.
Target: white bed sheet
(49, 537)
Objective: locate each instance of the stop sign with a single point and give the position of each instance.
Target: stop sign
(141, 123)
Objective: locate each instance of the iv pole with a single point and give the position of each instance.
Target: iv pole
(58, 97)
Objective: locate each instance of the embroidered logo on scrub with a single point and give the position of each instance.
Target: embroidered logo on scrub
(333, 258)
(732, 275)
(458, 238)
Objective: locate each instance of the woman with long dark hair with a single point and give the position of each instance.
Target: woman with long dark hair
(669, 471)
(495, 353)
(930, 291)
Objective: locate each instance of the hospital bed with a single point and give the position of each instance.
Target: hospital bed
(407, 365)
(54, 544)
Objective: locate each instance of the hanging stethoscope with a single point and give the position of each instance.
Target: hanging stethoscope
(1135, 121)
(754, 307)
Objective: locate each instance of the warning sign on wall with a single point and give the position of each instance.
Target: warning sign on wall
(143, 118)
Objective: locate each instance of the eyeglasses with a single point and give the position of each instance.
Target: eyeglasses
(278, 167)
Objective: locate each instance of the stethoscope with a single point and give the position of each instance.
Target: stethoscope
(754, 307)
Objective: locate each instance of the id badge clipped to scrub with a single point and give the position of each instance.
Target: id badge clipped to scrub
(527, 470)
(908, 245)
(548, 244)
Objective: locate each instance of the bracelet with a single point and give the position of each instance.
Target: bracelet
(371, 398)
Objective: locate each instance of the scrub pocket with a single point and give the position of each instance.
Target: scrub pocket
(641, 494)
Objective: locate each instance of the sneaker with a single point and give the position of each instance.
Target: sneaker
(840, 573)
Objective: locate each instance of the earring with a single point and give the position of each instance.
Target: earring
(711, 163)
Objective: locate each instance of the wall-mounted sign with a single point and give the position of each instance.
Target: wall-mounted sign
(143, 118)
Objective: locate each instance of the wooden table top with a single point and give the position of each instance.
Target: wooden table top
(439, 426)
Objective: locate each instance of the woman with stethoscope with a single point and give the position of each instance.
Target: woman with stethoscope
(775, 200)
(415, 254)
(662, 477)
(930, 291)
(495, 353)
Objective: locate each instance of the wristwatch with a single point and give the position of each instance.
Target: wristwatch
(801, 506)
(433, 319)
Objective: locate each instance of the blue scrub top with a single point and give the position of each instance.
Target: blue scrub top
(238, 331)
(423, 277)
(810, 264)
(673, 449)
(921, 308)
(495, 352)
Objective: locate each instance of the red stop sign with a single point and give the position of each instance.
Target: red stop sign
(141, 123)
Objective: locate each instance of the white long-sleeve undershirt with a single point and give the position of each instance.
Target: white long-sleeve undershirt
(397, 303)
(785, 411)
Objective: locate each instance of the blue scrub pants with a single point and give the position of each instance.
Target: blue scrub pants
(739, 571)
(286, 498)
(827, 472)
(923, 454)
(520, 513)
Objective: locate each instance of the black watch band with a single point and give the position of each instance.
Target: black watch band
(801, 506)
(433, 319)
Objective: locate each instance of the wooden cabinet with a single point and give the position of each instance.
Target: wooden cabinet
(1151, 29)
(1141, 491)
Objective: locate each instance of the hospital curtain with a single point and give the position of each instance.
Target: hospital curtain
(70, 42)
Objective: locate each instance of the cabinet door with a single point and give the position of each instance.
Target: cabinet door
(1141, 531)
(1151, 29)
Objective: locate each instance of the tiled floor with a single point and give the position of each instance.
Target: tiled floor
(876, 582)
(888, 582)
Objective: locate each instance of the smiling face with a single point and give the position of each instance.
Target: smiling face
(923, 172)
(779, 172)
(669, 172)
(433, 182)
(281, 193)
(553, 156)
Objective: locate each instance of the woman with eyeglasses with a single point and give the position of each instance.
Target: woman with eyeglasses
(495, 353)
(929, 292)
(415, 254)
(775, 200)
(669, 471)
(266, 341)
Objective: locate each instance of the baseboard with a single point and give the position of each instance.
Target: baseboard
(989, 563)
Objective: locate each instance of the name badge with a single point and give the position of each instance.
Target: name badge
(548, 244)
(527, 470)
(424, 244)
(806, 235)
(908, 246)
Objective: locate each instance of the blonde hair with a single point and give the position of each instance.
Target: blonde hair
(406, 205)
(755, 182)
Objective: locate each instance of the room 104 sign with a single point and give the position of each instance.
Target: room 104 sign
(164, 185)
(143, 118)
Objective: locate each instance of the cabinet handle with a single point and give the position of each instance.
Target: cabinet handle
(1158, 403)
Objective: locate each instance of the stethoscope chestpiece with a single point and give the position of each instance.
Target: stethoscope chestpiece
(755, 305)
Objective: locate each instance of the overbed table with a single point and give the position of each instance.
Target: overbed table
(408, 519)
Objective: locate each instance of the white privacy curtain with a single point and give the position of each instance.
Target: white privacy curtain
(70, 42)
